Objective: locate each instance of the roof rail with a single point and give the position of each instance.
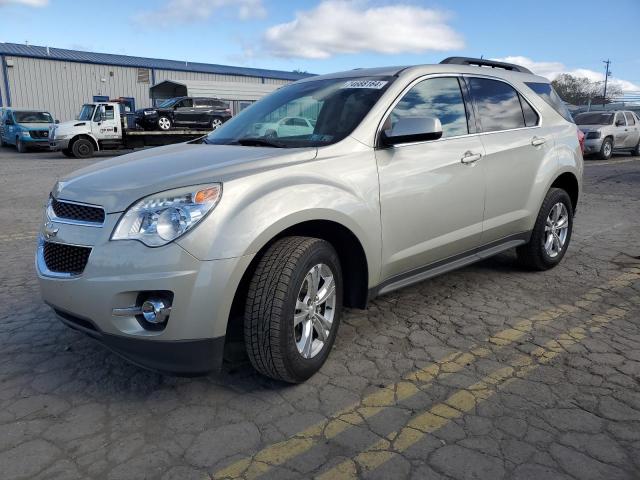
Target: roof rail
(480, 62)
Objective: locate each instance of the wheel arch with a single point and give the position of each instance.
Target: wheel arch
(87, 136)
(353, 260)
(568, 182)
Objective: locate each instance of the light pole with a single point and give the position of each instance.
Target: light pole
(606, 78)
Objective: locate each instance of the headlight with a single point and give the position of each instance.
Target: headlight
(25, 134)
(161, 218)
(150, 112)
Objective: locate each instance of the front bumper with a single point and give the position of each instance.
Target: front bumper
(117, 273)
(592, 145)
(147, 121)
(59, 144)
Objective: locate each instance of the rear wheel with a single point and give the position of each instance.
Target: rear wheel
(635, 152)
(20, 145)
(551, 233)
(606, 149)
(164, 123)
(82, 148)
(292, 310)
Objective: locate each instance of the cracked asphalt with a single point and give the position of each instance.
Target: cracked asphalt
(488, 372)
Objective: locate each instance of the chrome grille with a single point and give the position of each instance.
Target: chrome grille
(61, 258)
(39, 134)
(77, 212)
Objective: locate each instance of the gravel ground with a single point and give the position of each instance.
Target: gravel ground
(485, 373)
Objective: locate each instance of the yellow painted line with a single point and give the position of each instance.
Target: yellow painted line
(278, 453)
(465, 400)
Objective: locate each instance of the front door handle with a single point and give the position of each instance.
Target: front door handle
(537, 141)
(470, 157)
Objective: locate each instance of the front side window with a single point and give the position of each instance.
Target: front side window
(630, 119)
(620, 121)
(332, 108)
(498, 104)
(32, 117)
(86, 112)
(186, 103)
(435, 97)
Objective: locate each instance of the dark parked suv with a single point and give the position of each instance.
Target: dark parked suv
(195, 112)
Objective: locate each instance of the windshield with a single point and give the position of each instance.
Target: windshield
(306, 114)
(168, 103)
(86, 113)
(593, 118)
(32, 117)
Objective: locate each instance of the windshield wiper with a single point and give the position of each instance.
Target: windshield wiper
(257, 142)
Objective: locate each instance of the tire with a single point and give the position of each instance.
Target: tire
(635, 152)
(271, 134)
(67, 153)
(82, 148)
(274, 345)
(1, 142)
(20, 146)
(216, 122)
(164, 123)
(535, 255)
(606, 150)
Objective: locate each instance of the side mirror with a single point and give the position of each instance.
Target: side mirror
(412, 129)
(619, 123)
(57, 121)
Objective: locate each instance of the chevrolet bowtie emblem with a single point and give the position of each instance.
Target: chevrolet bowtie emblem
(49, 230)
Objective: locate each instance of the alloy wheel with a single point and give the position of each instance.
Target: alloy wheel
(215, 123)
(315, 311)
(164, 123)
(556, 229)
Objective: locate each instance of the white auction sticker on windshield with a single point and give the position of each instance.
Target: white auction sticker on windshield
(375, 84)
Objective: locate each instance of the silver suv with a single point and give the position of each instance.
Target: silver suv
(169, 254)
(606, 132)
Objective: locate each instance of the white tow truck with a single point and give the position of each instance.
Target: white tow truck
(104, 126)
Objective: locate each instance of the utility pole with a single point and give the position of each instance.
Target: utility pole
(606, 78)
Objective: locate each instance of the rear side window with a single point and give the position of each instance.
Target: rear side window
(630, 119)
(436, 97)
(549, 95)
(498, 104)
(530, 116)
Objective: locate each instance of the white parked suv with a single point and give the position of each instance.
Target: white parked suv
(169, 254)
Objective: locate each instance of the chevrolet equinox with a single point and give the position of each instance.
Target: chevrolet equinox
(166, 254)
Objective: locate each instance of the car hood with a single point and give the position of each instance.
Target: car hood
(117, 183)
(34, 126)
(63, 128)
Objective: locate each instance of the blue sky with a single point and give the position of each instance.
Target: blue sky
(321, 36)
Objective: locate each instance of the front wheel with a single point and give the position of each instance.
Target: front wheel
(164, 123)
(20, 146)
(216, 122)
(606, 150)
(551, 233)
(635, 152)
(292, 310)
(67, 153)
(82, 148)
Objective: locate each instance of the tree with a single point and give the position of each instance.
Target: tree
(580, 90)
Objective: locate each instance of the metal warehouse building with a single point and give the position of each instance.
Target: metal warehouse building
(60, 81)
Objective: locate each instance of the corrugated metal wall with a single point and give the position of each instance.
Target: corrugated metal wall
(2, 92)
(61, 87)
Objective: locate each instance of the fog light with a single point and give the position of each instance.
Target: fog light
(155, 310)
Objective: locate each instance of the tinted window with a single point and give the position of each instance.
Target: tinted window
(498, 104)
(530, 115)
(186, 103)
(594, 118)
(437, 97)
(630, 119)
(549, 95)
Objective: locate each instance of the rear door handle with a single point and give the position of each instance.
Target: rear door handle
(470, 157)
(537, 141)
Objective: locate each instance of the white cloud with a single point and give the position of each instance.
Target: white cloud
(551, 70)
(28, 3)
(338, 27)
(186, 11)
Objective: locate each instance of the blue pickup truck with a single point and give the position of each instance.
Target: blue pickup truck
(25, 128)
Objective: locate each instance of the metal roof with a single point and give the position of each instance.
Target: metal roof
(50, 53)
